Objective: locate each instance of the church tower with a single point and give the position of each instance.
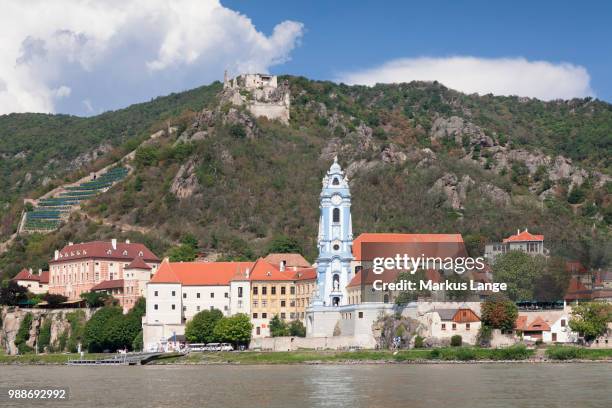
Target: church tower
(335, 239)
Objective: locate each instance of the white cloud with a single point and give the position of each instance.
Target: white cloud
(500, 76)
(113, 52)
(62, 92)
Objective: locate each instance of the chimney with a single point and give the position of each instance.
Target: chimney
(56, 255)
(127, 241)
(114, 243)
(247, 272)
(518, 231)
(282, 265)
(39, 272)
(70, 243)
(30, 271)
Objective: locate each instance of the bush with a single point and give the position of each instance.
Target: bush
(278, 328)
(96, 299)
(54, 299)
(44, 337)
(200, 329)
(563, 353)
(517, 352)
(456, 340)
(418, 342)
(297, 329)
(23, 334)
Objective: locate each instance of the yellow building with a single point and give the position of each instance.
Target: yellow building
(278, 290)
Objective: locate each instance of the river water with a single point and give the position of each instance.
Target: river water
(297, 386)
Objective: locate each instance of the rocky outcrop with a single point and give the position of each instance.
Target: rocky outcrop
(11, 318)
(393, 155)
(360, 166)
(389, 327)
(454, 190)
(89, 157)
(456, 128)
(495, 194)
(185, 183)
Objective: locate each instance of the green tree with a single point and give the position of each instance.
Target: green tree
(96, 299)
(278, 328)
(591, 319)
(23, 334)
(54, 299)
(182, 253)
(200, 329)
(94, 334)
(519, 271)
(552, 284)
(297, 329)
(11, 294)
(498, 312)
(190, 240)
(138, 342)
(235, 329)
(284, 245)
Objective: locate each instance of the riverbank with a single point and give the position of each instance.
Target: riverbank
(519, 354)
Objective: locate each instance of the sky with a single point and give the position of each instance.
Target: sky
(84, 57)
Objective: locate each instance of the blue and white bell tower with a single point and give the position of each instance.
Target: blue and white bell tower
(335, 239)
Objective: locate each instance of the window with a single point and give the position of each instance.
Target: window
(361, 315)
(292, 303)
(336, 181)
(292, 290)
(225, 308)
(443, 326)
(184, 296)
(240, 292)
(254, 290)
(198, 295)
(155, 307)
(258, 331)
(173, 307)
(184, 308)
(226, 295)
(273, 290)
(336, 215)
(467, 326)
(264, 315)
(562, 322)
(254, 315)
(283, 290)
(264, 290)
(212, 295)
(454, 326)
(198, 308)
(155, 294)
(292, 315)
(283, 316)
(283, 303)
(173, 293)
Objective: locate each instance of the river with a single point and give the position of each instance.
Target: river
(297, 386)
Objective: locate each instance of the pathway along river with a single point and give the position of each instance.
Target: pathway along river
(297, 386)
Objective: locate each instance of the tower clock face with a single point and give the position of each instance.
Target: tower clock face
(336, 199)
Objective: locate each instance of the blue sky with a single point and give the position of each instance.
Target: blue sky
(83, 58)
(342, 35)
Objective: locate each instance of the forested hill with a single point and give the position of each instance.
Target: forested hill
(420, 158)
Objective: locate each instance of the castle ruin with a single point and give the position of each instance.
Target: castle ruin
(260, 94)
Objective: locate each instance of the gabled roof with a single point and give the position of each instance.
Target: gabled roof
(199, 273)
(104, 250)
(291, 260)
(26, 275)
(537, 324)
(446, 314)
(108, 284)
(405, 239)
(138, 263)
(265, 271)
(305, 274)
(524, 236)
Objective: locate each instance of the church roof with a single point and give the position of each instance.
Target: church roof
(409, 239)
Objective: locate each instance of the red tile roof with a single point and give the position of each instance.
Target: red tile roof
(138, 263)
(108, 284)
(104, 250)
(577, 291)
(290, 260)
(523, 237)
(26, 275)
(404, 238)
(537, 324)
(199, 273)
